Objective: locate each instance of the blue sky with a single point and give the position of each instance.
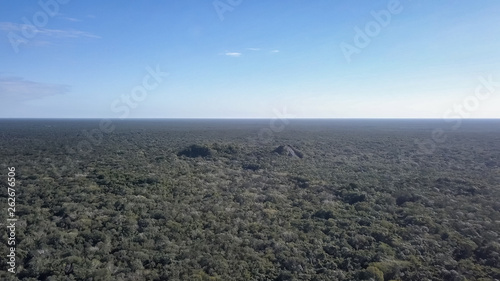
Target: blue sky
(250, 59)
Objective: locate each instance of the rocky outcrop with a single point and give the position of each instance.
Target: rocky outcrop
(288, 150)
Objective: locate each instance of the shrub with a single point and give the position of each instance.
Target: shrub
(323, 214)
(391, 268)
(195, 150)
(375, 273)
(353, 197)
(253, 167)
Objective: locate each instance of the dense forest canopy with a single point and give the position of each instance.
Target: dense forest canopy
(171, 200)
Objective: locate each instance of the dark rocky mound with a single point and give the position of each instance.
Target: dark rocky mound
(288, 150)
(196, 151)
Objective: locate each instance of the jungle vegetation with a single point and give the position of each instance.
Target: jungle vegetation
(208, 200)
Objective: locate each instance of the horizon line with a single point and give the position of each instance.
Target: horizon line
(250, 118)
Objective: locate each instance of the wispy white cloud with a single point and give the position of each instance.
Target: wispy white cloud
(16, 88)
(239, 54)
(10, 26)
(56, 33)
(70, 19)
(233, 54)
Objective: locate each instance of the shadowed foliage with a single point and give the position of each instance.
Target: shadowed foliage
(196, 151)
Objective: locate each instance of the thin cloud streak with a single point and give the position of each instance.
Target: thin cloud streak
(70, 19)
(55, 33)
(233, 54)
(20, 89)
